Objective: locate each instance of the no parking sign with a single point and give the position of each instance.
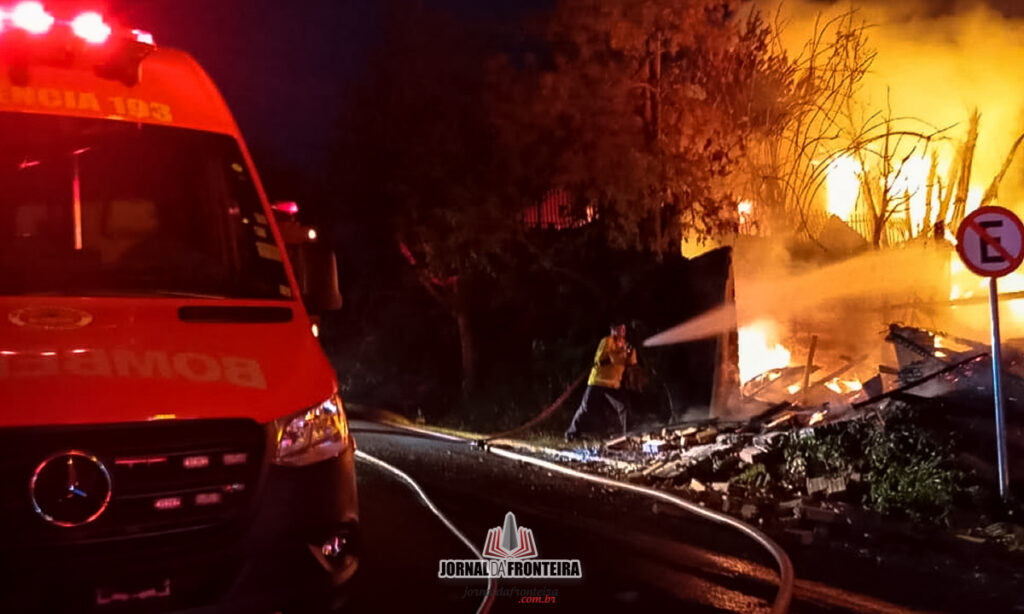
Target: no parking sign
(990, 241)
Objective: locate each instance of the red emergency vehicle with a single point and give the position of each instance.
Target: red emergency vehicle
(171, 435)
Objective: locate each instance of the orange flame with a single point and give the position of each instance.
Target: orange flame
(759, 351)
(907, 189)
(840, 386)
(842, 185)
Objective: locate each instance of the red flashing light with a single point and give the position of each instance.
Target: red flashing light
(91, 28)
(141, 36)
(32, 18)
(290, 207)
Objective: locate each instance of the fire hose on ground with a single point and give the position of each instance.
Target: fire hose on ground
(784, 594)
(539, 417)
(786, 575)
(488, 601)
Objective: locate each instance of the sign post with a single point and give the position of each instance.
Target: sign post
(997, 387)
(990, 242)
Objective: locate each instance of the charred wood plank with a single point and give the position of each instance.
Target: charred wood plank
(836, 373)
(914, 384)
(810, 363)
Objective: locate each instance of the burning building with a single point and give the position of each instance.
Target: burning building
(859, 233)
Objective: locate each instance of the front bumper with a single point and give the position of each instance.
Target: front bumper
(270, 560)
(285, 564)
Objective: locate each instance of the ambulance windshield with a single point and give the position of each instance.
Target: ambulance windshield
(93, 207)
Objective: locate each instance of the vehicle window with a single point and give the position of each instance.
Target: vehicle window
(102, 207)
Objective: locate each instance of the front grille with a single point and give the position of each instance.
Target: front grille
(167, 477)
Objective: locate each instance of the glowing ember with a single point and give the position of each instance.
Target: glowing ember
(817, 417)
(759, 351)
(784, 417)
(839, 386)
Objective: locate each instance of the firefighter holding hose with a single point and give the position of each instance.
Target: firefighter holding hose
(604, 387)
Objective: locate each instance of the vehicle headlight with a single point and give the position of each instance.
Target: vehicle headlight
(312, 435)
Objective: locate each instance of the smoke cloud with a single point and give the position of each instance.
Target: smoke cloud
(879, 285)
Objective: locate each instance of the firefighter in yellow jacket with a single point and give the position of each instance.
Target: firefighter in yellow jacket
(613, 355)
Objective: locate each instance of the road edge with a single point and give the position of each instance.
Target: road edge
(499, 448)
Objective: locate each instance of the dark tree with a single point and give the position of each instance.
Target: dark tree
(642, 108)
(427, 165)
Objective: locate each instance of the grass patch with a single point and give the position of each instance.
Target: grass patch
(907, 470)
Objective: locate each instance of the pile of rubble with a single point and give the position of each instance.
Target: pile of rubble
(726, 466)
(929, 364)
(751, 468)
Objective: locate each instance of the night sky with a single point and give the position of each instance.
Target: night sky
(286, 67)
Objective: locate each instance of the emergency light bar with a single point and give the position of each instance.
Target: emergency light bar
(33, 18)
(30, 34)
(91, 28)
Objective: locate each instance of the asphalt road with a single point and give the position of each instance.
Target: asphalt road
(636, 554)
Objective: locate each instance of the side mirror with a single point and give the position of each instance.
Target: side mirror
(316, 271)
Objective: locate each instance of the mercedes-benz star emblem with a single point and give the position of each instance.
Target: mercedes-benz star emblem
(70, 488)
